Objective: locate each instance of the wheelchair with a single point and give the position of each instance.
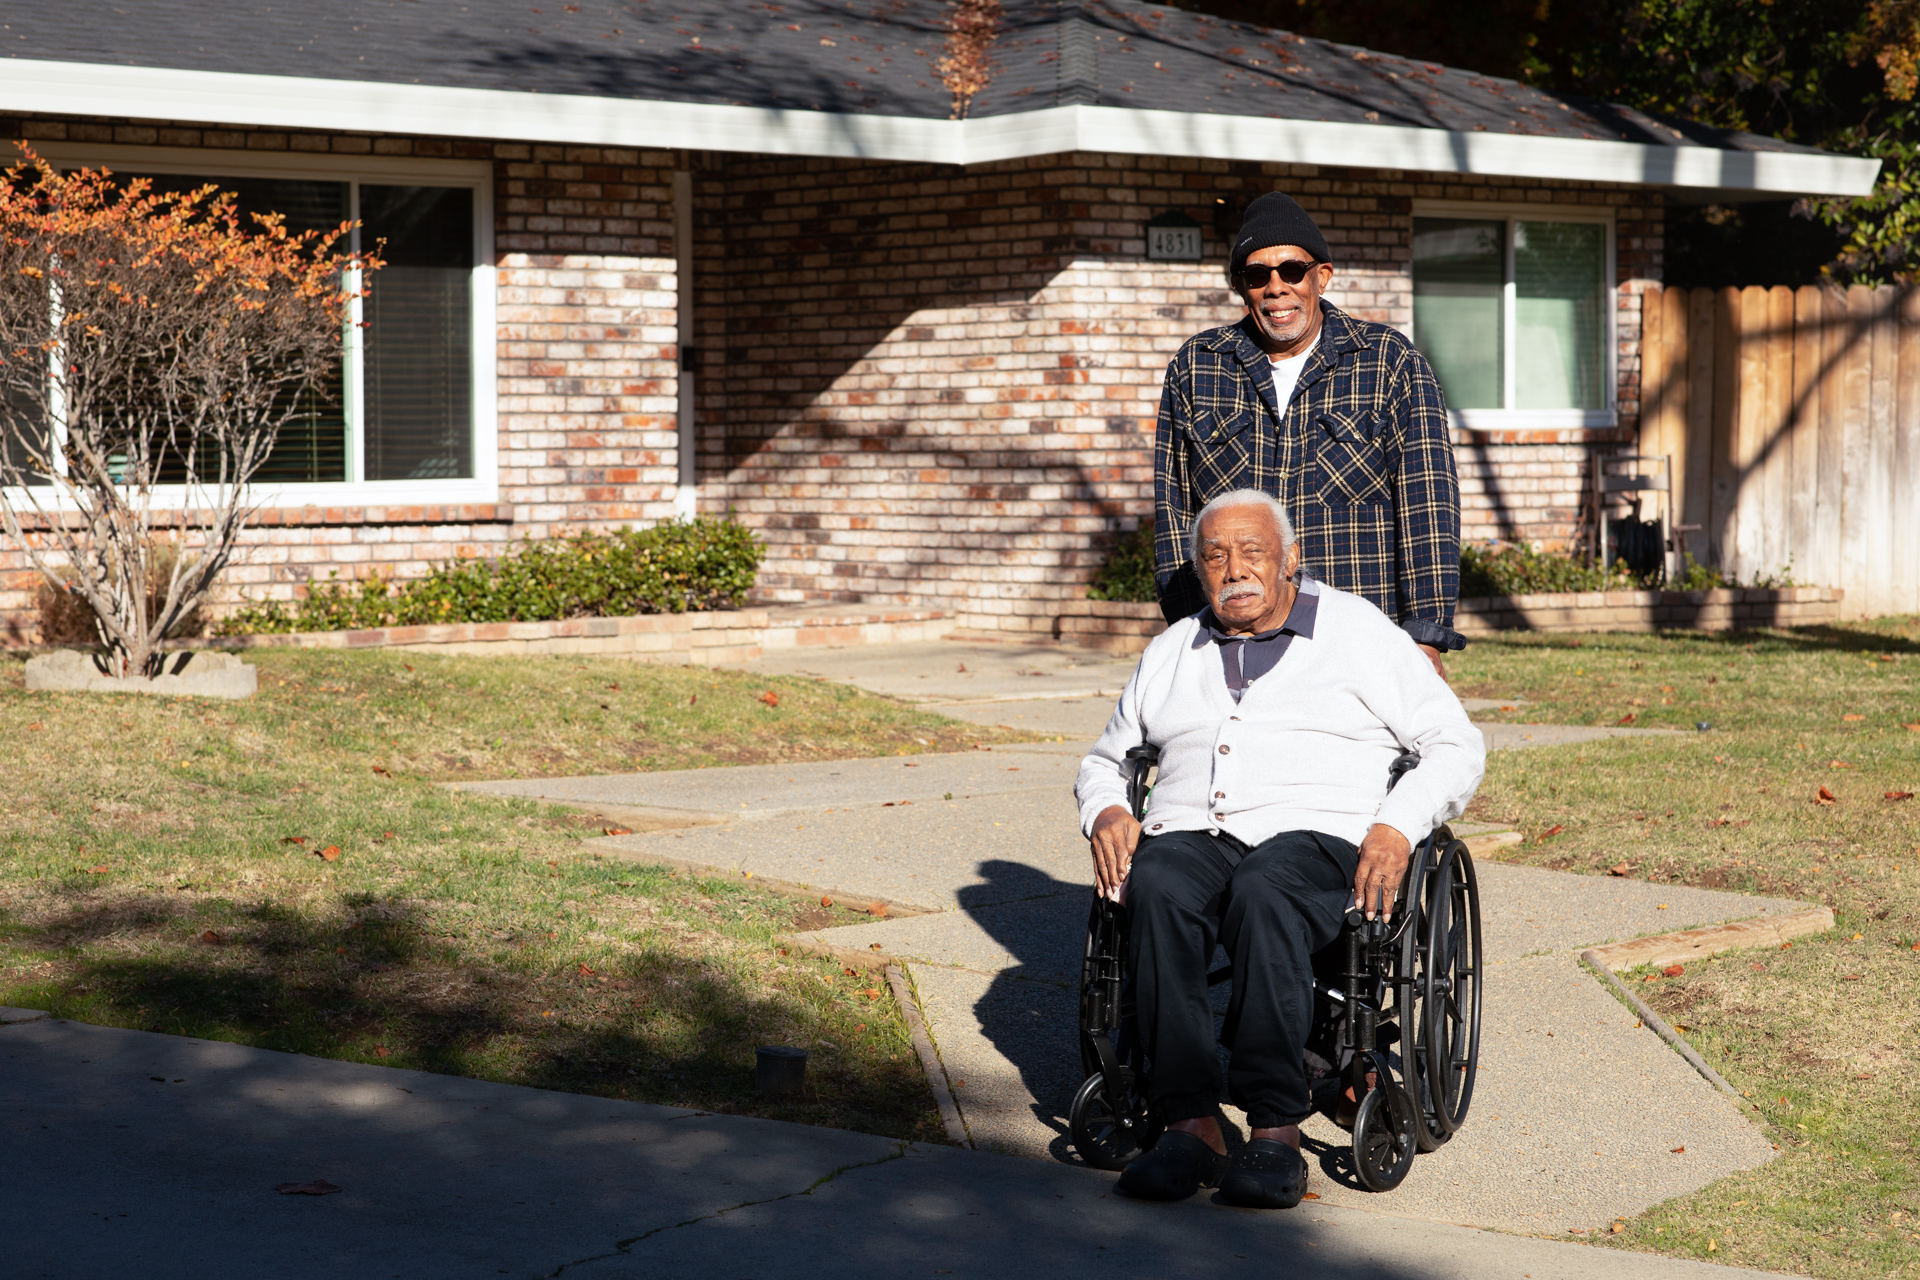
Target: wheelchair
(1395, 1001)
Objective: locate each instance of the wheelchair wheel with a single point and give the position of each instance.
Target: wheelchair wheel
(1385, 1137)
(1106, 1136)
(1440, 983)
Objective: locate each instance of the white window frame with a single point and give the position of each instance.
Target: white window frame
(212, 163)
(1535, 419)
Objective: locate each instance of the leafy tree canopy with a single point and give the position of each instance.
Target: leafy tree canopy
(1838, 74)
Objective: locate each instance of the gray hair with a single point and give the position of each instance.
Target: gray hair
(1241, 498)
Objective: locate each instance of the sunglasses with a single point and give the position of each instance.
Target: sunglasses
(1255, 275)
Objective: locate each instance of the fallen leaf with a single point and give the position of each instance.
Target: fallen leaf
(1849, 977)
(871, 993)
(1627, 718)
(1899, 795)
(771, 698)
(1758, 968)
(1865, 1077)
(1838, 764)
(1620, 869)
(1551, 831)
(100, 870)
(962, 668)
(826, 902)
(1825, 797)
(1504, 708)
(585, 970)
(1852, 716)
(1674, 970)
(36, 725)
(211, 938)
(380, 1051)
(1617, 1228)
(383, 771)
(1915, 727)
(293, 839)
(329, 854)
(851, 973)
(1713, 1246)
(692, 698)
(1013, 768)
(617, 831)
(873, 946)
(1311, 1195)
(318, 1187)
(1679, 1151)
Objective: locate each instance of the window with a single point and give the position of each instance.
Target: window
(1515, 314)
(410, 417)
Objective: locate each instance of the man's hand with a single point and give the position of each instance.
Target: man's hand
(1115, 836)
(1383, 865)
(1433, 656)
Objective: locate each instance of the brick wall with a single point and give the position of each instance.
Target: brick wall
(923, 385)
(939, 386)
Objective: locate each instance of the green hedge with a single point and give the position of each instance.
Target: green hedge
(668, 568)
(1128, 572)
(1519, 570)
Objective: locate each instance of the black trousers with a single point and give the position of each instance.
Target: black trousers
(1271, 907)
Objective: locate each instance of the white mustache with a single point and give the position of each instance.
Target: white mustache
(1234, 590)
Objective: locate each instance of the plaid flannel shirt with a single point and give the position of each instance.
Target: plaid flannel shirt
(1363, 462)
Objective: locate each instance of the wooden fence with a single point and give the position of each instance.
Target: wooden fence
(1793, 421)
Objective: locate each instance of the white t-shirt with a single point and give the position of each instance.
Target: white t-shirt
(1286, 375)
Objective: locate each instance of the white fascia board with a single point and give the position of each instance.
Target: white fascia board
(294, 102)
(1376, 146)
(297, 102)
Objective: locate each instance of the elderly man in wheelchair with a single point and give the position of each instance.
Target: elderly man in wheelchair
(1308, 755)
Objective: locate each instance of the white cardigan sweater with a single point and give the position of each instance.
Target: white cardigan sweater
(1308, 746)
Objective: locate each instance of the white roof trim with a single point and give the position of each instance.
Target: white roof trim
(296, 102)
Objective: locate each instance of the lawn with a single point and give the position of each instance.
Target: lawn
(285, 872)
(1797, 787)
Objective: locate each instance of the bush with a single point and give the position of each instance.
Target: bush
(1519, 570)
(67, 619)
(1128, 572)
(669, 568)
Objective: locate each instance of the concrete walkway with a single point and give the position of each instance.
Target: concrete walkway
(131, 1154)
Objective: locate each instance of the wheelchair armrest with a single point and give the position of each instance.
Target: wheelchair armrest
(1146, 754)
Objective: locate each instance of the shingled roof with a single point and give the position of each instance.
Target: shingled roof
(869, 65)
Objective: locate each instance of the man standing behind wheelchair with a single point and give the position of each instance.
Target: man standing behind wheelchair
(1278, 711)
(1340, 419)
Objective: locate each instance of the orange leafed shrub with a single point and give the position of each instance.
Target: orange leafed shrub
(150, 339)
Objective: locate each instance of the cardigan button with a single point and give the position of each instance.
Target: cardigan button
(1233, 717)
(1225, 750)
(1219, 795)
(1158, 825)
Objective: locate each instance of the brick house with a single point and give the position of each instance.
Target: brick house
(740, 258)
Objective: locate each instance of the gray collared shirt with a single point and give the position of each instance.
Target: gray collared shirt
(1245, 658)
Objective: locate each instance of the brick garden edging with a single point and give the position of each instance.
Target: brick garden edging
(1724, 609)
(1126, 628)
(700, 639)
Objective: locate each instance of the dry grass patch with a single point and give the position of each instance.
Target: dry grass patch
(285, 872)
(1823, 1037)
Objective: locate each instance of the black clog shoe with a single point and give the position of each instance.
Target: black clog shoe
(1267, 1174)
(1177, 1166)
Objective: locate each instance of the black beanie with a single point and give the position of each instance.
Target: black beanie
(1275, 219)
